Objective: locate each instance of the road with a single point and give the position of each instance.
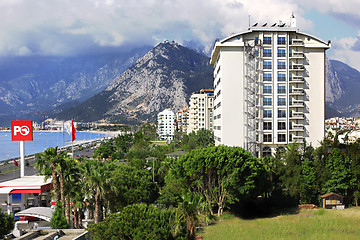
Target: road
(10, 171)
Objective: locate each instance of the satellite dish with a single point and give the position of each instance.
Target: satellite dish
(264, 25)
(255, 24)
(273, 25)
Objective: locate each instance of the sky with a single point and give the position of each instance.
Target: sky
(68, 27)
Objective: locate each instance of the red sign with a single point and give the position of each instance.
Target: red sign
(21, 130)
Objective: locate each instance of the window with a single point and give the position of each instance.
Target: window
(267, 137)
(267, 40)
(267, 65)
(281, 101)
(281, 137)
(266, 151)
(267, 77)
(267, 125)
(256, 40)
(267, 52)
(281, 113)
(267, 113)
(281, 89)
(267, 89)
(281, 125)
(267, 101)
(281, 77)
(281, 41)
(281, 65)
(281, 52)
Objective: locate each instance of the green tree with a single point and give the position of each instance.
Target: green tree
(138, 221)
(58, 219)
(6, 224)
(221, 174)
(341, 179)
(97, 182)
(123, 143)
(292, 168)
(130, 186)
(105, 151)
(188, 210)
(46, 164)
(307, 193)
(205, 138)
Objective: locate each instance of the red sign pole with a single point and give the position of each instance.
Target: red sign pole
(22, 131)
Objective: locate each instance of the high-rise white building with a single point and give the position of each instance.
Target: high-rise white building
(166, 125)
(182, 117)
(269, 88)
(201, 111)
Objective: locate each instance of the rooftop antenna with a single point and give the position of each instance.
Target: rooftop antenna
(249, 20)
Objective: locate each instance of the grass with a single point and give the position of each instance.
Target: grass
(307, 224)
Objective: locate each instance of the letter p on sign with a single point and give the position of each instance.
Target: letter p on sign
(21, 130)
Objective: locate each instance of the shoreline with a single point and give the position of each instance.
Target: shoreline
(13, 151)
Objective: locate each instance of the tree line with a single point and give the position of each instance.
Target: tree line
(132, 190)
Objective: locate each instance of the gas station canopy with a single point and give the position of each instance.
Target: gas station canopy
(26, 184)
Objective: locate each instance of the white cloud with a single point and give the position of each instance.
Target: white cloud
(346, 50)
(65, 27)
(68, 27)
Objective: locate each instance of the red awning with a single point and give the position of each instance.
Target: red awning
(25, 191)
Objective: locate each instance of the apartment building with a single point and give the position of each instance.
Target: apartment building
(269, 88)
(166, 125)
(201, 110)
(182, 117)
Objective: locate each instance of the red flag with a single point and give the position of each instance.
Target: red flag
(73, 131)
(16, 163)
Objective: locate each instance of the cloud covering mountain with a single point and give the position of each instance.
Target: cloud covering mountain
(65, 27)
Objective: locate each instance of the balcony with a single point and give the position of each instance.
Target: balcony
(297, 79)
(297, 103)
(296, 91)
(297, 128)
(296, 55)
(296, 67)
(296, 42)
(297, 115)
(297, 138)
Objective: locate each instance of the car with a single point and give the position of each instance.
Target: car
(28, 218)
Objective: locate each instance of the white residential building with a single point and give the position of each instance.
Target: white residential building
(201, 111)
(269, 87)
(166, 127)
(182, 117)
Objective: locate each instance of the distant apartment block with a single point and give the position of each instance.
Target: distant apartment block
(182, 117)
(269, 88)
(201, 111)
(166, 125)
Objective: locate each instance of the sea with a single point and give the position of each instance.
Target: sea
(41, 141)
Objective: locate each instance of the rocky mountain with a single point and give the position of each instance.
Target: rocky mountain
(29, 85)
(163, 78)
(167, 75)
(342, 89)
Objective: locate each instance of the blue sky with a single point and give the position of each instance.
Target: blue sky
(67, 27)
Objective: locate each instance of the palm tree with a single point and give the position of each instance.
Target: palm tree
(188, 210)
(46, 164)
(72, 184)
(98, 175)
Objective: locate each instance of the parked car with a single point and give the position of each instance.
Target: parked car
(29, 218)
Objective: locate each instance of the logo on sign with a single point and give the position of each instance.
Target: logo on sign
(21, 130)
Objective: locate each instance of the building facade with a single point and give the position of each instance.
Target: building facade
(269, 88)
(201, 111)
(166, 125)
(182, 117)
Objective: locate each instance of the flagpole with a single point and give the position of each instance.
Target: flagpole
(63, 132)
